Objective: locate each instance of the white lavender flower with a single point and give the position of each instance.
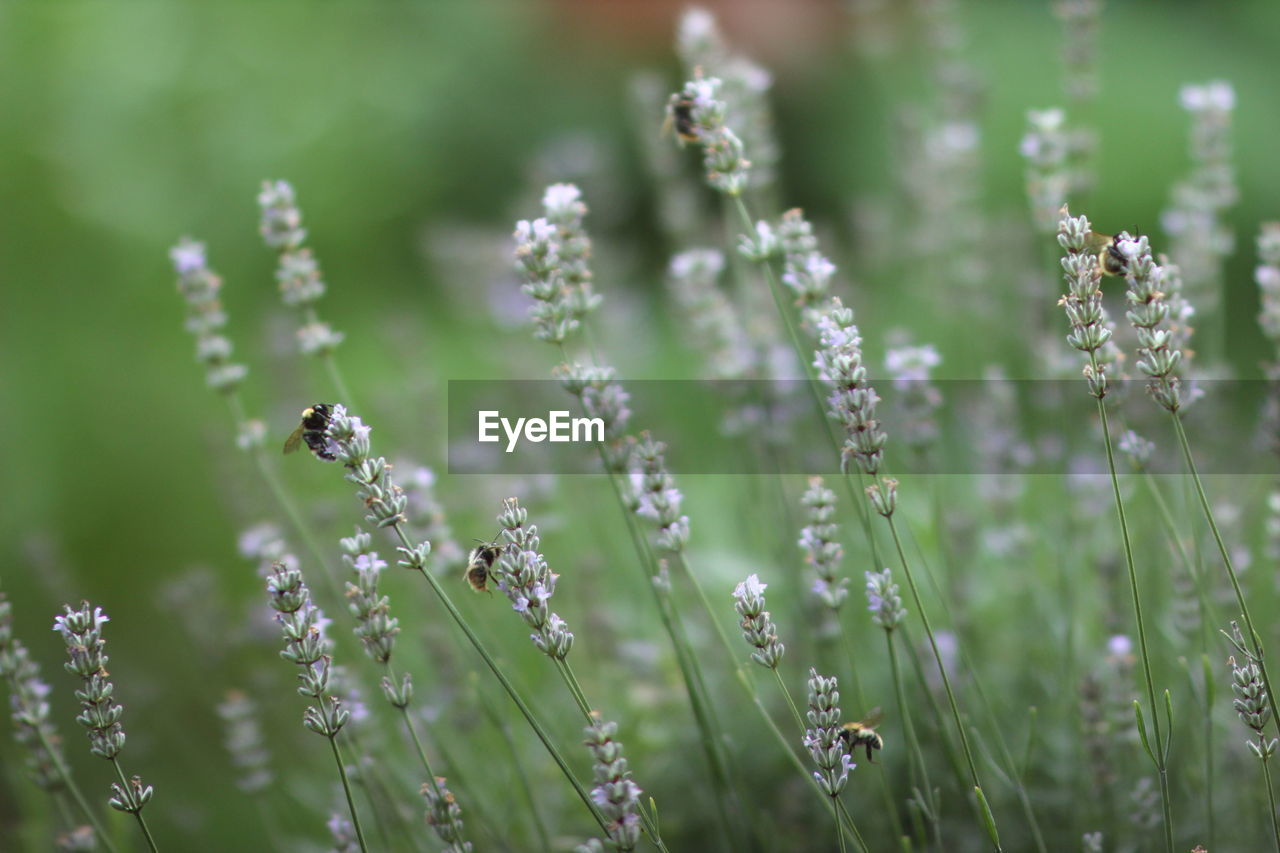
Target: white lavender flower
(349, 438)
(297, 272)
(1195, 219)
(1045, 147)
(444, 815)
(699, 114)
(823, 737)
(245, 742)
(523, 577)
(563, 207)
(426, 515)
(918, 399)
(266, 544)
(851, 401)
(818, 541)
(1137, 448)
(29, 706)
(614, 793)
(375, 626)
(656, 496)
(717, 329)
(1267, 275)
(757, 626)
(100, 714)
(805, 270)
(303, 626)
(883, 600)
(1090, 327)
(603, 397)
(703, 49)
(199, 286)
(1158, 353)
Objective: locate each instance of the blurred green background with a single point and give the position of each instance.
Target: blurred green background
(415, 134)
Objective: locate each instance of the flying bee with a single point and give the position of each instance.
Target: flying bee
(680, 118)
(863, 733)
(479, 565)
(314, 431)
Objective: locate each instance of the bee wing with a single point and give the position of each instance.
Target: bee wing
(294, 441)
(873, 718)
(1096, 242)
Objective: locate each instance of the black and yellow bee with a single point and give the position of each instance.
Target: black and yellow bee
(1111, 261)
(863, 733)
(480, 564)
(314, 431)
(680, 118)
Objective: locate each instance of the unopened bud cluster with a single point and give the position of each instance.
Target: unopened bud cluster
(823, 736)
(757, 626)
(614, 792)
(1090, 328)
(444, 815)
(29, 706)
(655, 493)
(1251, 701)
(883, 600)
(81, 630)
(851, 401)
(375, 626)
(303, 626)
(1158, 353)
(199, 286)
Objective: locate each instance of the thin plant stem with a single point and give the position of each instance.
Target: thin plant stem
(524, 709)
(1255, 639)
(346, 789)
(942, 670)
(919, 770)
(539, 827)
(142, 823)
(1157, 755)
(1271, 804)
(422, 756)
(281, 495)
(64, 774)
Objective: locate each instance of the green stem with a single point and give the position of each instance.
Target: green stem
(64, 774)
(142, 823)
(1157, 755)
(346, 789)
(1255, 639)
(432, 780)
(524, 709)
(937, 657)
(539, 827)
(919, 770)
(1271, 796)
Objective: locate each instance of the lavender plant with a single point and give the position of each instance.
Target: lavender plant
(81, 630)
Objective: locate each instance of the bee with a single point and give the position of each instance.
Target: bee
(1111, 261)
(863, 733)
(314, 431)
(479, 564)
(680, 118)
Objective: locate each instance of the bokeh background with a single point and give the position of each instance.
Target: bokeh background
(415, 134)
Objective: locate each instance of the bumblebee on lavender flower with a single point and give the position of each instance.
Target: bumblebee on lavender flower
(862, 733)
(314, 431)
(1111, 261)
(680, 117)
(480, 564)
